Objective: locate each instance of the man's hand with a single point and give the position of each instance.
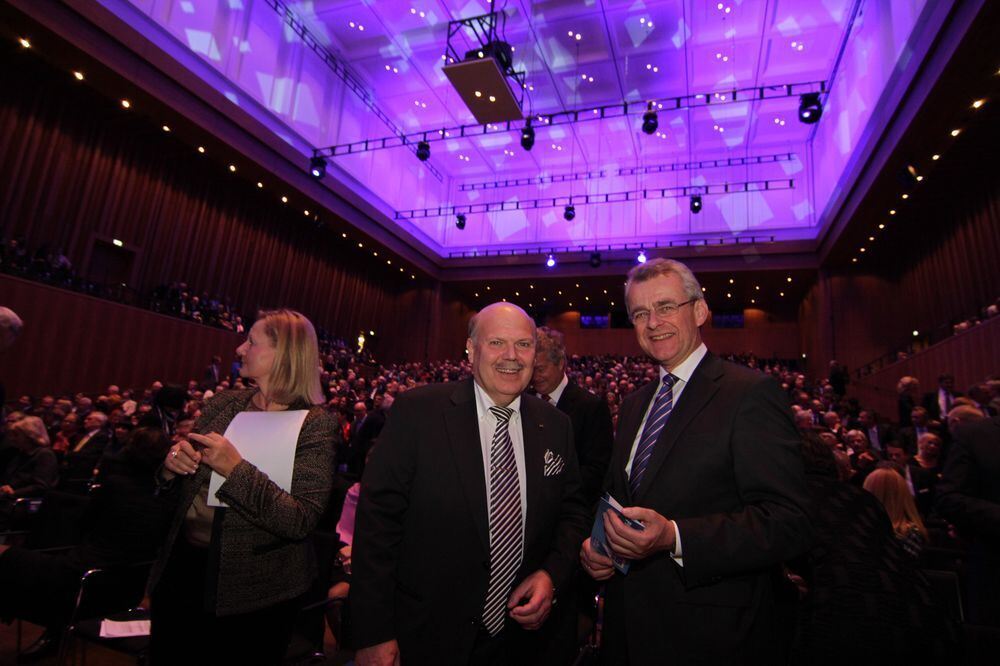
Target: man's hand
(383, 654)
(531, 601)
(638, 544)
(598, 566)
(218, 453)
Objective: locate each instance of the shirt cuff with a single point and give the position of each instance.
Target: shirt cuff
(678, 553)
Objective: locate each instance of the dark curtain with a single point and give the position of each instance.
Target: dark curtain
(75, 167)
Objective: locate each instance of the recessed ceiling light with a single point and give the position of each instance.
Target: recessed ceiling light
(854, 260)
(78, 75)
(126, 104)
(892, 211)
(978, 103)
(232, 168)
(956, 132)
(201, 149)
(904, 196)
(862, 250)
(260, 185)
(24, 42)
(166, 128)
(306, 212)
(284, 199)
(577, 36)
(935, 157)
(343, 234)
(920, 178)
(881, 225)
(871, 238)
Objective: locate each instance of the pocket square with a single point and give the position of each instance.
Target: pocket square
(554, 463)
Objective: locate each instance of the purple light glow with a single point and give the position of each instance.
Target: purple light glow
(694, 46)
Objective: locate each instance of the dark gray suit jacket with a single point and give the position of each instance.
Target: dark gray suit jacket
(727, 469)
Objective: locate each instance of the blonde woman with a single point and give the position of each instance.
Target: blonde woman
(890, 488)
(226, 586)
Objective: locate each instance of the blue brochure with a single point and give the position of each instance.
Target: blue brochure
(599, 542)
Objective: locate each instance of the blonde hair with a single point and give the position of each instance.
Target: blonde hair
(889, 487)
(295, 373)
(32, 428)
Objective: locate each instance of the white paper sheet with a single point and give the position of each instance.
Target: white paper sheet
(266, 439)
(112, 629)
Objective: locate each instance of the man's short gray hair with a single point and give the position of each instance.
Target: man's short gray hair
(662, 266)
(551, 345)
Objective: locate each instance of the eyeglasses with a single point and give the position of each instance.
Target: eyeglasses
(663, 311)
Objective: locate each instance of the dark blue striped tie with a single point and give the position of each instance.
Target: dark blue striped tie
(651, 431)
(505, 523)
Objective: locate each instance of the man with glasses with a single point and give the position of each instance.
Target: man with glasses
(707, 459)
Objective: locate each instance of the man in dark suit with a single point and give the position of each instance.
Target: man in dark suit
(470, 514)
(707, 459)
(938, 403)
(920, 423)
(968, 495)
(593, 435)
(591, 418)
(213, 374)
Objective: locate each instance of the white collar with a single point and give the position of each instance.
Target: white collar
(558, 391)
(685, 369)
(484, 402)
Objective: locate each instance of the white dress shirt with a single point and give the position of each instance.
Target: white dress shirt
(557, 391)
(487, 426)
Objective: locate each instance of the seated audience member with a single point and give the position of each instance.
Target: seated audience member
(68, 434)
(124, 523)
(863, 602)
(919, 424)
(878, 434)
(919, 481)
(81, 458)
(33, 470)
(929, 453)
(889, 487)
(863, 459)
(831, 421)
(908, 393)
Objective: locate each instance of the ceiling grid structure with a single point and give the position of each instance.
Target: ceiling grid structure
(578, 54)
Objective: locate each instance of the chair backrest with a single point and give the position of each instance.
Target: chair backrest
(59, 521)
(948, 592)
(111, 590)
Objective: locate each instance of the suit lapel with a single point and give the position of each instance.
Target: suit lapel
(533, 434)
(694, 398)
(462, 425)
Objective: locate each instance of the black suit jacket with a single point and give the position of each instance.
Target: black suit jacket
(930, 403)
(727, 469)
(421, 540)
(968, 495)
(592, 433)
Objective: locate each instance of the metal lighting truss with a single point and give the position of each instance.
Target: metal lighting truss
(616, 110)
(602, 247)
(610, 197)
(627, 171)
(341, 71)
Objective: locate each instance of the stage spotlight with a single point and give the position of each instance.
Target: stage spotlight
(317, 167)
(569, 213)
(595, 259)
(696, 204)
(460, 221)
(810, 108)
(649, 120)
(423, 151)
(528, 136)
(642, 257)
(551, 261)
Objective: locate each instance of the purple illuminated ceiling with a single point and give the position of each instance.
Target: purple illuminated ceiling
(626, 51)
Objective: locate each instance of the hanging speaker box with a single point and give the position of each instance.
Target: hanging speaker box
(484, 89)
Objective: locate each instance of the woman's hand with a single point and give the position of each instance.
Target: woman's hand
(182, 459)
(217, 452)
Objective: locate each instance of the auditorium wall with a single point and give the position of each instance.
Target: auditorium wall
(79, 171)
(761, 335)
(937, 267)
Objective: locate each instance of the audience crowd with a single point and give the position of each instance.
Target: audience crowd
(71, 442)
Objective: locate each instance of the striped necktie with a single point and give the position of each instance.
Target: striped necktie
(651, 431)
(505, 523)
